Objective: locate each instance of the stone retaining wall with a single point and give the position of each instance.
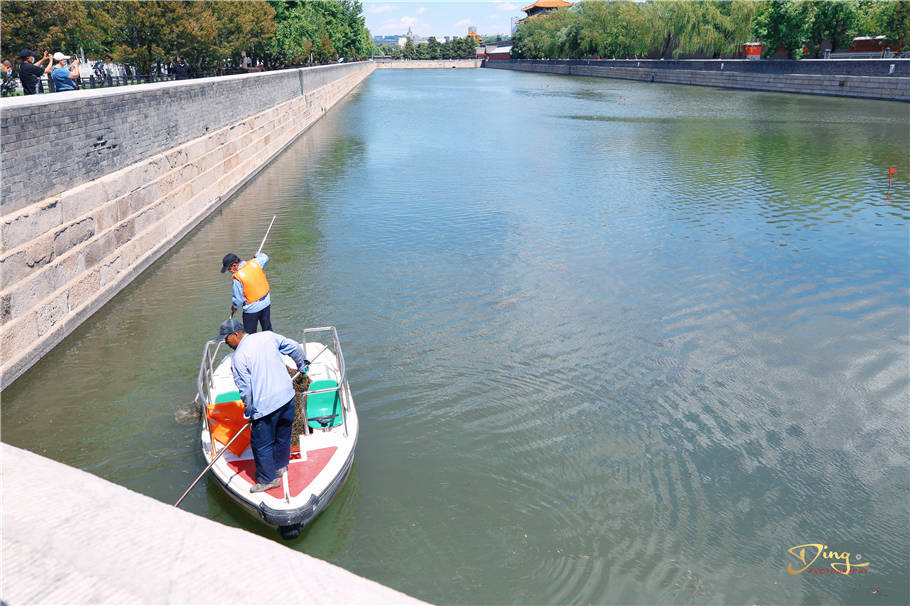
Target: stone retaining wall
(87, 212)
(868, 87)
(429, 64)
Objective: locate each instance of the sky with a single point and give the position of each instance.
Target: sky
(441, 18)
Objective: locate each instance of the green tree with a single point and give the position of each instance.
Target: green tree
(434, 50)
(826, 21)
(240, 27)
(325, 52)
(893, 22)
(342, 21)
(612, 29)
(146, 33)
(55, 26)
(781, 24)
(409, 51)
(358, 42)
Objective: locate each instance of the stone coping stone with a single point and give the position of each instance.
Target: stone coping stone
(49, 99)
(89, 541)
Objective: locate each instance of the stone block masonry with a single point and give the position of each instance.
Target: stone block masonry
(890, 88)
(98, 184)
(93, 542)
(429, 64)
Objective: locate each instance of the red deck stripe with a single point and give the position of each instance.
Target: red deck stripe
(300, 473)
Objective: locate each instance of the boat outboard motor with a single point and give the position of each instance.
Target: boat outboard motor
(228, 326)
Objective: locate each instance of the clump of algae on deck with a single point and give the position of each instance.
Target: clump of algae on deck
(301, 384)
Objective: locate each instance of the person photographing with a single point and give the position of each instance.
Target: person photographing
(250, 290)
(64, 77)
(267, 392)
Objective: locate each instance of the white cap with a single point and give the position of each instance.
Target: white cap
(60, 56)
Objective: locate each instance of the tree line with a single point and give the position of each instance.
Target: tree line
(456, 48)
(669, 29)
(210, 34)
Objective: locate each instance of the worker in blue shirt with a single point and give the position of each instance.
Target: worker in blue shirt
(267, 392)
(250, 290)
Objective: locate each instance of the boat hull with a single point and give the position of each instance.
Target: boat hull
(320, 464)
(289, 522)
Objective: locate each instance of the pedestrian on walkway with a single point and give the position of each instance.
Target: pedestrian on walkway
(181, 69)
(64, 77)
(267, 392)
(30, 72)
(250, 290)
(9, 78)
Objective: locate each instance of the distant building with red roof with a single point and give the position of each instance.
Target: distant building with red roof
(542, 7)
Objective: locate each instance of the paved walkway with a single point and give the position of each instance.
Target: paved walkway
(89, 541)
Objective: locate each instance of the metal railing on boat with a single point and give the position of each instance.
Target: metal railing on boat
(342, 372)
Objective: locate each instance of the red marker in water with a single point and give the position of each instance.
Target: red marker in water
(891, 172)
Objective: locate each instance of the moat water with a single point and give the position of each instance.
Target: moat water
(610, 342)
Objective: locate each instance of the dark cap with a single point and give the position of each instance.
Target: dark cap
(228, 260)
(229, 327)
(25, 53)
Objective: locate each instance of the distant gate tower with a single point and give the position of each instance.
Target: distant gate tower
(542, 7)
(472, 33)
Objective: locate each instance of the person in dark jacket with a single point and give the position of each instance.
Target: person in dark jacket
(30, 72)
(181, 69)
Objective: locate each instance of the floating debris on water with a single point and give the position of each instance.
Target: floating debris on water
(187, 413)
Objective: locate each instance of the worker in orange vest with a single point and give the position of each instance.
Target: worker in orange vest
(250, 290)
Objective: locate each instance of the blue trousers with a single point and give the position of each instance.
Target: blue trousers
(262, 317)
(270, 439)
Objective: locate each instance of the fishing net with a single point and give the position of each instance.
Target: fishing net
(301, 384)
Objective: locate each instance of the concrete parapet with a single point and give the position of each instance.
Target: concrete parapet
(62, 257)
(887, 88)
(429, 64)
(94, 542)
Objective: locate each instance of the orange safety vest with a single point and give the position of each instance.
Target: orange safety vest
(251, 276)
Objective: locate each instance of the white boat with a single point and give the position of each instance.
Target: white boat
(318, 466)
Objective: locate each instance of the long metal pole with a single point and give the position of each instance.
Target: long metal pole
(218, 456)
(266, 235)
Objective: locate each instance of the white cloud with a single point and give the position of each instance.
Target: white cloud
(464, 23)
(382, 8)
(421, 10)
(400, 26)
(504, 6)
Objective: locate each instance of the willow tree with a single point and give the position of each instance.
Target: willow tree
(612, 29)
(681, 27)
